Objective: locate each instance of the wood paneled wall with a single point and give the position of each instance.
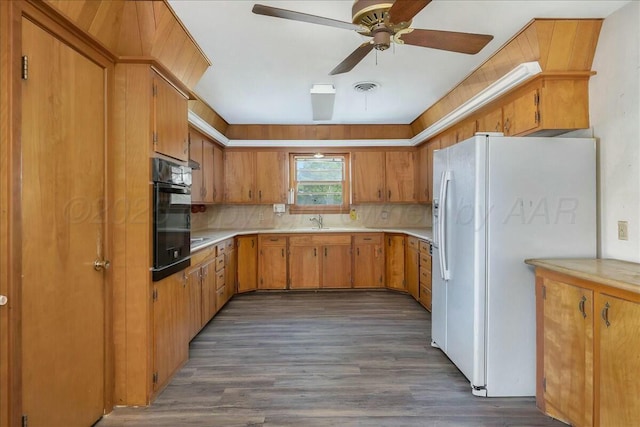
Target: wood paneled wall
(139, 29)
(565, 45)
(208, 114)
(318, 132)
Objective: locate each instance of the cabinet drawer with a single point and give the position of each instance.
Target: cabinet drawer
(221, 297)
(425, 297)
(424, 247)
(425, 261)
(230, 245)
(219, 262)
(272, 240)
(220, 282)
(367, 239)
(412, 242)
(425, 277)
(221, 247)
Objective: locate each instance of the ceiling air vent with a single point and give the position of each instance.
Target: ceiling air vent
(366, 87)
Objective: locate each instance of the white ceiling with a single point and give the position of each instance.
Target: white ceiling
(264, 67)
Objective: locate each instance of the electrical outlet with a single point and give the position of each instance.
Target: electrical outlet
(623, 231)
(353, 214)
(260, 216)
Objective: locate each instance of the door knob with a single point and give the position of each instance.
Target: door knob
(3, 300)
(101, 265)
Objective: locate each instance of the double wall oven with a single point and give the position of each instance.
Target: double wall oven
(171, 218)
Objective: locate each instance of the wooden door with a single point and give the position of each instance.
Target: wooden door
(206, 166)
(271, 172)
(465, 130)
(197, 175)
(412, 272)
(368, 176)
(218, 174)
(394, 249)
(247, 263)
(304, 266)
(194, 285)
(336, 266)
(568, 352)
(239, 177)
(230, 268)
(400, 176)
(619, 362)
(62, 198)
(423, 174)
(368, 266)
(490, 122)
(522, 115)
(170, 324)
(272, 262)
(170, 120)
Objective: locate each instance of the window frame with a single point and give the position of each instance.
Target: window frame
(315, 209)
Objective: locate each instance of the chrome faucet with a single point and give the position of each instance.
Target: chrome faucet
(317, 220)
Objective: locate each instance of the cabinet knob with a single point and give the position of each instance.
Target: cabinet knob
(101, 264)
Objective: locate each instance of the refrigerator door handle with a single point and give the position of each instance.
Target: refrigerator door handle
(442, 225)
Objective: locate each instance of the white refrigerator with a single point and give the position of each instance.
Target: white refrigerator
(497, 201)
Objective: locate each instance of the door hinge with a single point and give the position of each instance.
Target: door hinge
(544, 383)
(155, 378)
(25, 67)
(537, 116)
(25, 419)
(155, 137)
(155, 295)
(536, 99)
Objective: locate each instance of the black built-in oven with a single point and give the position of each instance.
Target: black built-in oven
(171, 218)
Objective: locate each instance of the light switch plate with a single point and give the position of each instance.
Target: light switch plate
(623, 230)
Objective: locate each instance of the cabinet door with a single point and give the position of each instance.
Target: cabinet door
(400, 176)
(206, 169)
(304, 266)
(431, 147)
(368, 176)
(272, 266)
(170, 122)
(336, 266)
(490, 122)
(412, 273)
(568, 352)
(197, 179)
(465, 130)
(271, 175)
(395, 261)
(170, 341)
(423, 174)
(247, 263)
(194, 286)
(208, 271)
(522, 114)
(619, 345)
(218, 174)
(239, 176)
(368, 266)
(230, 268)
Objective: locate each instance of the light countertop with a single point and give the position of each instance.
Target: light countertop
(611, 272)
(213, 237)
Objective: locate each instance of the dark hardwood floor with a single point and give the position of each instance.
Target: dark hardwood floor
(322, 359)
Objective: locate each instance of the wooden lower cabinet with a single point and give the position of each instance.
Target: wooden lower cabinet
(247, 269)
(305, 261)
(171, 326)
(319, 261)
(394, 254)
(193, 278)
(272, 261)
(230, 269)
(424, 295)
(368, 261)
(412, 266)
(336, 263)
(587, 351)
(208, 289)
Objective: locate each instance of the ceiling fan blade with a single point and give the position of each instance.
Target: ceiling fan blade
(304, 17)
(353, 59)
(405, 10)
(447, 40)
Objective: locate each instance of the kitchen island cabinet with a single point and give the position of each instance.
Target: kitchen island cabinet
(588, 317)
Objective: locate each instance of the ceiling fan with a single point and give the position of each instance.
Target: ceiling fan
(386, 21)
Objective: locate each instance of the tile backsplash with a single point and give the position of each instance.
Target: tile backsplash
(262, 216)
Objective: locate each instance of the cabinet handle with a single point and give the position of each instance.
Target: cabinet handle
(389, 194)
(507, 125)
(605, 314)
(253, 243)
(358, 251)
(249, 194)
(379, 194)
(273, 239)
(581, 306)
(282, 253)
(315, 252)
(260, 195)
(366, 238)
(325, 251)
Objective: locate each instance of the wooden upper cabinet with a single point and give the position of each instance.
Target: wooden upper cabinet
(522, 114)
(271, 184)
(465, 130)
(218, 174)
(170, 122)
(423, 174)
(239, 172)
(255, 177)
(619, 362)
(400, 176)
(201, 151)
(490, 122)
(368, 176)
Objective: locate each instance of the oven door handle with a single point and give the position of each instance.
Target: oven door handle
(173, 189)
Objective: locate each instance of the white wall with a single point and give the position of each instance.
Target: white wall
(614, 94)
